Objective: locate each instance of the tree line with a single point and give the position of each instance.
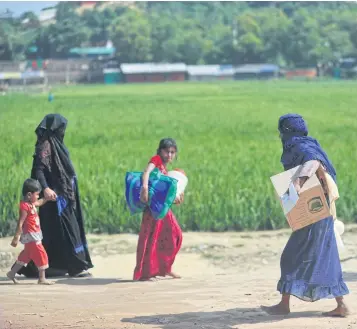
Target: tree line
(285, 33)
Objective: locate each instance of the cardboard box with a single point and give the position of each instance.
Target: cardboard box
(311, 205)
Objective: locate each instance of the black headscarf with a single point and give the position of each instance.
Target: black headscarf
(51, 153)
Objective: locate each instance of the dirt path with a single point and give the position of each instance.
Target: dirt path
(226, 277)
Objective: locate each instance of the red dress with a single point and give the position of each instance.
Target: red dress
(159, 241)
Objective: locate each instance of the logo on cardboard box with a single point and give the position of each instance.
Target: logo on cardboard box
(315, 205)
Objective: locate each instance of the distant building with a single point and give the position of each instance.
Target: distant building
(47, 16)
(86, 5)
(153, 72)
(210, 72)
(90, 5)
(92, 52)
(297, 73)
(104, 71)
(256, 71)
(348, 67)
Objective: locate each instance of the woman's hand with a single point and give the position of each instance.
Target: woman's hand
(298, 184)
(49, 194)
(144, 194)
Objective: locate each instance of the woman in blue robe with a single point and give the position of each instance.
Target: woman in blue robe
(310, 263)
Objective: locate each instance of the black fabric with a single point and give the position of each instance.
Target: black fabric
(62, 227)
(52, 155)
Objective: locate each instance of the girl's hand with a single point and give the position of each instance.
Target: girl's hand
(14, 241)
(144, 195)
(179, 199)
(49, 194)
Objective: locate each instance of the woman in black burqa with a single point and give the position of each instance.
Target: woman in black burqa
(61, 221)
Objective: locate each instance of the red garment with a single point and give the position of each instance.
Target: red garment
(36, 252)
(31, 237)
(31, 230)
(159, 241)
(157, 161)
(32, 221)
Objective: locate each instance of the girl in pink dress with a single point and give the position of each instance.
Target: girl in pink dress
(159, 240)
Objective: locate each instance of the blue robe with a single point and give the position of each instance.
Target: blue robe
(310, 263)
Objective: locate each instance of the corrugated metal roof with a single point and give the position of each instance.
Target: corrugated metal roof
(256, 68)
(21, 75)
(152, 68)
(213, 70)
(93, 51)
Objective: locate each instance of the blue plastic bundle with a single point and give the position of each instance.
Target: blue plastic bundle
(162, 193)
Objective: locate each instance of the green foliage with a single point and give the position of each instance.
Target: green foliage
(227, 137)
(285, 33)
(131, 37)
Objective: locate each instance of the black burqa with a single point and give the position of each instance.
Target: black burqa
(61, 221)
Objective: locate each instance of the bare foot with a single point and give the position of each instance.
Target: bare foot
(154, 278)
(83, 274)
(11, 276)
(46, 282)
(340, 311)
(279, 309)
(173, 275)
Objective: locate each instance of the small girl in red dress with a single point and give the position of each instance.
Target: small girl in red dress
(28, 232)
(159, 240)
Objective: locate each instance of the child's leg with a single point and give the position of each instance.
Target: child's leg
(11, 274)
(40, 258)
(22, 260)
(42, 277)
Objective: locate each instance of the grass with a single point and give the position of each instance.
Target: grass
(227, 137)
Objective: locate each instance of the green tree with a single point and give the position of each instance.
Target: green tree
(248, 45)
(99, 21)
(164, 46)
(130, 34)
(305, 37)
(220, 48)
(15, 39)
(69, 31)
(286, 33)
(274, 33)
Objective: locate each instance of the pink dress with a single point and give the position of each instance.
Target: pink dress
(159, 241)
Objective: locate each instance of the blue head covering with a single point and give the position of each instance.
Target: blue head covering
(299, 148)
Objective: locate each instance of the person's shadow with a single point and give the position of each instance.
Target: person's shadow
(4, 281)
(91, 281)
(215, 320)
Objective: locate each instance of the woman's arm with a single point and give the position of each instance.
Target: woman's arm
(308, 169)
(40, 202)
(43, 159)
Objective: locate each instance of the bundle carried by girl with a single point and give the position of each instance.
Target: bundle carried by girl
(181, 178)
(162, 193)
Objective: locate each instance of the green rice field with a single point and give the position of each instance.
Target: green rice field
(227, 137)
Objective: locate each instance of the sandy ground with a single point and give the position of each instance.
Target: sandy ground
(226, 277)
